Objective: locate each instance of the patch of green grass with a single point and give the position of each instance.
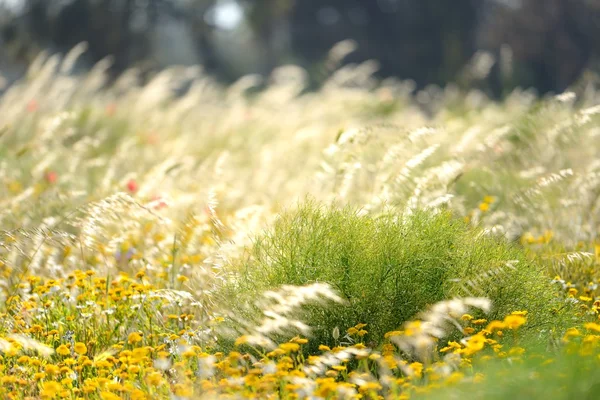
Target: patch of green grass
(539, 375)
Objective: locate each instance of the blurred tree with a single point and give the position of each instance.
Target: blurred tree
(541, 43)
(269, 20)
(544, 44)
(427, 40)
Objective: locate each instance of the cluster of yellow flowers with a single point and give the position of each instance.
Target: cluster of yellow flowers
(90, 337)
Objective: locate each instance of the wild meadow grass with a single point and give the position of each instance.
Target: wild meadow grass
(180, 240)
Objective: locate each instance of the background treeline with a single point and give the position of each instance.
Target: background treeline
(546, 44)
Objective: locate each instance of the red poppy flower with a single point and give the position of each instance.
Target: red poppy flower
(32, 106)
(51, 177)
(132, 186)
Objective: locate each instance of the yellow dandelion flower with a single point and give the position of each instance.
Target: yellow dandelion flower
(52, 369)
(514, 321)
(154, 379)
(451, 346)
(455, 377)
(188, 353)
(474, 344)
(134, 369)
(489, 199)
(80, 348)
(241, 340)
(289, 347)
(416, 369)
(484, 207)
(39, 376)
(352, 331)
(393, 333)
(134, 337)
(109, 396)
(182, 390)
(50, 389)
(468, 330)
(299, 340)
(23, 360)
(331, 374)
(592, 326)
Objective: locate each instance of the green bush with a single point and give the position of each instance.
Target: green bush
(390, 267)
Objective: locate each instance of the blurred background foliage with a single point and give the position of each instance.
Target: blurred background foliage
(495, 45)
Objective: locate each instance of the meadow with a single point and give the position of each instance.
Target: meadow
(260, 240)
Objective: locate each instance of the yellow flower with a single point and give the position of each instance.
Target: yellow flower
(451, 346)
(484, 207)
(63, 350)
(289, 347)
(455, 377)
(592, 326)
(50, 389)
(514, 321)
(80, 348)
(393, 333)
(182, 390)
(39, 376)
(241, 340)
(474, 344)
(109, 396)
(489, 199)
(52, 369)
(521, 313)
(299, 340)
(134, 337)
(416, 368)
(466, 317)
(23, 360)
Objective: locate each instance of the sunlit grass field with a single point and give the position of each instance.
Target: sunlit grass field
(185, 240)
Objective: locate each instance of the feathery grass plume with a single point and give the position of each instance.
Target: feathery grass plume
(421, 335)
(279, 311)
